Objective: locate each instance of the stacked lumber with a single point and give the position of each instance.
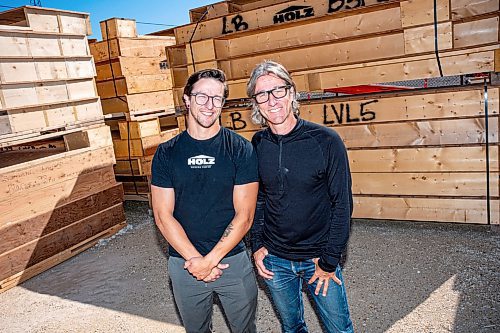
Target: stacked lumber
(58, 193)
(420, 154)
(333, 44)
(135, 86)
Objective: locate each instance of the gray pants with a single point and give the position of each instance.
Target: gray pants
(236, 289)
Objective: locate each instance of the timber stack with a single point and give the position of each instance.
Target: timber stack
(135, 87)
(58, 193)
(416, 153)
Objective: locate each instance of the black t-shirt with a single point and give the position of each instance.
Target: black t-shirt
(203, 174)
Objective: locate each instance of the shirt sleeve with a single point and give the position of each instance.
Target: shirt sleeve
(246, 165)
(340, 192)
(160, 168)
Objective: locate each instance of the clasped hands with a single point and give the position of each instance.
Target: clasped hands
(203, 269)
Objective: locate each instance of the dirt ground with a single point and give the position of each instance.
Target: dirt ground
(400, 277)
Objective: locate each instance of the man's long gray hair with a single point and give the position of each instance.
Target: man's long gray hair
(265, 68)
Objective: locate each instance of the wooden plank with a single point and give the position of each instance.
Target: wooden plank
(421, 39)
(309, 33)
(273, 15)
(140, 103)
(423, 159)
(420, 12)
(425, 209)
(461, 9)
(328, 55)
(74, 46)
(27, 204)
(41, 249)
(39, 174)
(21, 232)
(57, 259)
(419, 133)
(466, 34)
(13, 45)
(44, 46)
(42, 20)
(81, 89)
(134, 85)
(445, 184)
(403, 69)
(74, 24)
(125, 66)
(139, 129)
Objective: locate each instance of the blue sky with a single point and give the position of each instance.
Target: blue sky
(170, 12)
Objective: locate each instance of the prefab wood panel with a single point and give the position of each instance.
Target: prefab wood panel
(41, 249)
(423, 209)
(134, 85)
(423, 159)
(40, 93)
(50, 20)
(30, 44)
(467, 8)
(309, 33)
(18, 179)
(420, 12)
(420, 133)
(410, 68)
(138, 47)
(43, 200)
(118, 27)
(25, 71)
(476, 32)
(274, 15)
(131, 67)
(21, 232)
(140, 103)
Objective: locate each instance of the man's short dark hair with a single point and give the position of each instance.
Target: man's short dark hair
(213, 73)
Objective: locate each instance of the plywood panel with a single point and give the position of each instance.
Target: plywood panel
(428, 209)
(466, 8)
(46, 199)
(44, 46)
(423, 159)
(419, 133)
(74, 46)
(13, 45)
(22, 232)
(476, 32)
(419, 12)
(462, 184)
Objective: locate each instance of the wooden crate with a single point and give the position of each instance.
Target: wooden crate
(56, 203)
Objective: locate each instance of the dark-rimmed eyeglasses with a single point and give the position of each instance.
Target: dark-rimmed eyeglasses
(278, 92)
(202, 99)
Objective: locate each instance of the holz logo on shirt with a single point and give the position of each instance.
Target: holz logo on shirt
(293, 13)
(201, 161)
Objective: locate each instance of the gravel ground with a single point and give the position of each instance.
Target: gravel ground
(400, 277)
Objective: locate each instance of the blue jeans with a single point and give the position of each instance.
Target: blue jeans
(286, 291)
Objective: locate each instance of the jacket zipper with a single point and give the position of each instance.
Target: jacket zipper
(280, 168)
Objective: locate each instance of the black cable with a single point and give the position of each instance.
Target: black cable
(488, 206)
(149, 23)
(7, 7)
(436, 47)
(192, 35)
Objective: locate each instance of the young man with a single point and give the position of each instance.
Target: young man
(301, 225)
(204, 189)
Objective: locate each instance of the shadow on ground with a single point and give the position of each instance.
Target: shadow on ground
(400, 277)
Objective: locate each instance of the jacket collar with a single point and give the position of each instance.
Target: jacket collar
(296, 131)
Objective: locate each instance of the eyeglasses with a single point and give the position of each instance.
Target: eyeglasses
(202, 99)
(278, 92)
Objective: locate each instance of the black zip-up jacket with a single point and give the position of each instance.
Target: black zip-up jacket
(305, 199)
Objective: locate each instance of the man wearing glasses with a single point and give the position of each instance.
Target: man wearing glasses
(301, 225)
(204, 190)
